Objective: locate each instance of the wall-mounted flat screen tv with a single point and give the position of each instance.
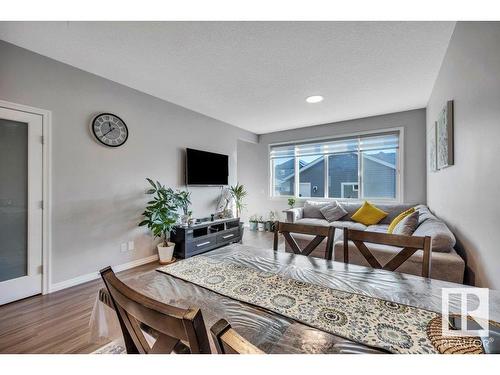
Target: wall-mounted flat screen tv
(206, 168)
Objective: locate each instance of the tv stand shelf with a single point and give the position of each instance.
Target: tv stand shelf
(205, 236)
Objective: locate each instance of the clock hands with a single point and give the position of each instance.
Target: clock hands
(110, 130)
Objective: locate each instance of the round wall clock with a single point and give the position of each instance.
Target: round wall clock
(109, 129)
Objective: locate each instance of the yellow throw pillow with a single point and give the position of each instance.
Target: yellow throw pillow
(398, 218)
(368, 214)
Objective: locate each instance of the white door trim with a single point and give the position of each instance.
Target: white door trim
(47, 177)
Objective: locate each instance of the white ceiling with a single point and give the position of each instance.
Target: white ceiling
(255, 75)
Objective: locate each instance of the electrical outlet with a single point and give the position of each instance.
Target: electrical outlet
(131, 245)
(123, 247)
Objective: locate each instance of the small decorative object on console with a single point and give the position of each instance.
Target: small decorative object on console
(291, 202)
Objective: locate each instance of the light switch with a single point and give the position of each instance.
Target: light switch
(123, 247)
(130, 245)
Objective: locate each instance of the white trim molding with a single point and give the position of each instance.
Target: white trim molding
(95, 275)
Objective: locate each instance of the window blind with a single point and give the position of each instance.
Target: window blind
(372, 142)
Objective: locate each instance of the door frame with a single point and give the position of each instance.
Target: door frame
(46, 187)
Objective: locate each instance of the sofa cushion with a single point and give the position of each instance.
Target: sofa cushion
(407, 226)
(312, 209)
(312, 221)
(442, 238)
(348, 224)
(333, 211)
(424, 213)
(380, 228)
(368, 214)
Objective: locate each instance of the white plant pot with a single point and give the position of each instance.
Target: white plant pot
(261, 227)
(166, 253)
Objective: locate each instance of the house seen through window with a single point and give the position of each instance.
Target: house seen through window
(360, 167)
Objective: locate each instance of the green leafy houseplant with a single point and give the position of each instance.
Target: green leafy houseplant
(291, 202)
(161, 212)
(238, 192)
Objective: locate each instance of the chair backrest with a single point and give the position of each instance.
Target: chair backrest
(228, 341)
(409, 244)
(320, 233)
(176, 329)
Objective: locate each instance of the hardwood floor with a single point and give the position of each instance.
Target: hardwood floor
(59, 322)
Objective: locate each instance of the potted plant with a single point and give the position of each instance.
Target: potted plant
(273, 216)
(160, 217)
(291, 202)
(253, 222)
(238, 193)
(184, 201)
(261, 224)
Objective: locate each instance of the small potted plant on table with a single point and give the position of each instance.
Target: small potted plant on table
(291, 202)
(261, 225)
(273, 217)
(160, 217)
(253, 222)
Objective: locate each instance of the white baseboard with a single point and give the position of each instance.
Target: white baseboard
(95, 275)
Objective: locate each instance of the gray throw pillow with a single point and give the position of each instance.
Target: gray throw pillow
(311, 209)
(407, 226)
(333, 212)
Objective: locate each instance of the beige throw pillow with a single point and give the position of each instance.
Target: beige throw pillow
(407, 226)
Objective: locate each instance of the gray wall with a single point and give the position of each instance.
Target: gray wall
(98, 192)
(253, 160)
(466, 194)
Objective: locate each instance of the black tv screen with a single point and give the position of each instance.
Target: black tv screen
(206, 168)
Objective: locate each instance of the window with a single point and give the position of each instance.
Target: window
(283, 171)
(361, 167)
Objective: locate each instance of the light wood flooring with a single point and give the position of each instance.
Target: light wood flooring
(59, 322)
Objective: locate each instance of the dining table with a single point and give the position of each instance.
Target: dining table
(276, 333)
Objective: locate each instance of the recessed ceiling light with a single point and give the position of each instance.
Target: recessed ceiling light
(314, 99)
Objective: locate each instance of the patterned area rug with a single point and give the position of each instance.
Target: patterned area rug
(374, 322)
(114, 347)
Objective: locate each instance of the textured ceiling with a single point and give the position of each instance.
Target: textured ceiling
(255, 75)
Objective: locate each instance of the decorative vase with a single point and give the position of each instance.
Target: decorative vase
(261, 227)
(166, 253)
(253, 225)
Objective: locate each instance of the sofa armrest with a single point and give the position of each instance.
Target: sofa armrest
(293, 214)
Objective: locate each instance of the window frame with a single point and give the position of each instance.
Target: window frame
(399, 168)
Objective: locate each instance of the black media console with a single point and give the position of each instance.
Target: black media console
(205, 236)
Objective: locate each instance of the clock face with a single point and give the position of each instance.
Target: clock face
(109, 129)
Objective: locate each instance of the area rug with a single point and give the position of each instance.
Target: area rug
(394, 327)
(114, 347)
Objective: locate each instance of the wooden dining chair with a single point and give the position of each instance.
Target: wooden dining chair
(409, 244)
(177, 330)
(228, 341)
(320, 233)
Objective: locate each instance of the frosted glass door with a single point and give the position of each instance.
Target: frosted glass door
(13, 199)
(20, 204)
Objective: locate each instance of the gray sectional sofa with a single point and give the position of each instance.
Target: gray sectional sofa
(446, 264)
